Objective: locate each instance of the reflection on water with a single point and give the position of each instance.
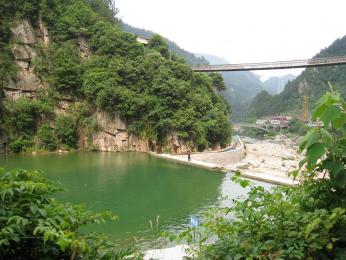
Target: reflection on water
(135, 186)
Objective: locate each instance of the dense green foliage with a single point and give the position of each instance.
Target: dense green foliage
(307, 221)
(158, 44)
(297, 127)
(152, 90)
(217, 81)
(189, 57)
(66, 130)
(47, 138)
(315, 80)
(33, 225)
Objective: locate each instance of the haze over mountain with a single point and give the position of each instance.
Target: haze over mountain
(241, 87)
(275, 85)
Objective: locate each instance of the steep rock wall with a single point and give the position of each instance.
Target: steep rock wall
(24, 48)
(113, 135)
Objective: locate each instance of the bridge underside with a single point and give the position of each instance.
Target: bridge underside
(317, 62)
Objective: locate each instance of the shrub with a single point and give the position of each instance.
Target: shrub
(33, 225)
(22, 115)
(47, 138)
(298, 127)
(65, 131)
(159, 44)
(67, 68)
(21, 144)
(218, 82)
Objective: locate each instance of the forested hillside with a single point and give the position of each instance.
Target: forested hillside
(312, 81)
(67, 70)
(241, 88)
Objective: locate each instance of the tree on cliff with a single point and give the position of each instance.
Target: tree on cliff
(144, 85)
(159, 44)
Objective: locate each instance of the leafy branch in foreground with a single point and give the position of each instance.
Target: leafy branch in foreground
(307, 221)
(326, 145)
(33, 225)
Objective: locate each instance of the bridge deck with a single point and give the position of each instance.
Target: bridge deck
(316, 62)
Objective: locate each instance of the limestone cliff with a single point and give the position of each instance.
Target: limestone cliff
(113, 135)
(24, 41)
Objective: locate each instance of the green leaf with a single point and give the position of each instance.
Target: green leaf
(305, 139)
(330, 114)
(314, 152)
(339, 122)
(326, 136)
(302, 162)
(340, 179)
(334, 167)
(322, 100)
(244, 183)
(318, 111)
(42, 212)
(315, 136)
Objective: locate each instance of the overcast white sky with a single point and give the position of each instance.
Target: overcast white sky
(242, 30)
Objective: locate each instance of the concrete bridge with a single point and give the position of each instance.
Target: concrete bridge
(291, 64)
(248, 125)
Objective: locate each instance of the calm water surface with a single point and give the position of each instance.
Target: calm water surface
(135, 186)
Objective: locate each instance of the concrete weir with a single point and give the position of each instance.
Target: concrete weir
(226, 160)
(217, 160)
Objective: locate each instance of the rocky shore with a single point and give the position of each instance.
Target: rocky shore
(270, 159)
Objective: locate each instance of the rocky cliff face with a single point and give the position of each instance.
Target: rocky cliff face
(24, 48)
(112, 134)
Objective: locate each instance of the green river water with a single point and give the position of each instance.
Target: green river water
(135, 186)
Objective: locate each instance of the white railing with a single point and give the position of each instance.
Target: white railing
(315, 62)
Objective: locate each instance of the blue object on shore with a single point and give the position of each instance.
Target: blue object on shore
(194, 222)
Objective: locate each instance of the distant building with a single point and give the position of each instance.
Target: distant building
(142, 40)
(314, 124)
(275, 122)
(261, 122)
(280, 118)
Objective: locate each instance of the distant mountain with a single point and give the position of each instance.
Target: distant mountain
(189, 57)
(241, 87)
(314, 82)
(275, 85)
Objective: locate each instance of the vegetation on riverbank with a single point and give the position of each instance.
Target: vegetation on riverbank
(155, 93)
(303, 222)
(33, 225)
